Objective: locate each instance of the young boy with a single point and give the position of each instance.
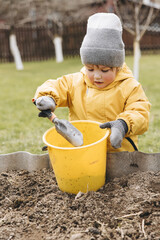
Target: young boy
(105, 89)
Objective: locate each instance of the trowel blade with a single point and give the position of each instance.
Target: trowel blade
(69, 132)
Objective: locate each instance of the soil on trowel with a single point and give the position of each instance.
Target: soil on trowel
(32, 207)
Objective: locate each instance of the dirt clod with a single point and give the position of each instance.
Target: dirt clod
(32, 207)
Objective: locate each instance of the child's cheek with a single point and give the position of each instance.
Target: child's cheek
(110, 77)
(91, 77)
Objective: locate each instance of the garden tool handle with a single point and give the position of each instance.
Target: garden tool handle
(47, 113)
(52, 117)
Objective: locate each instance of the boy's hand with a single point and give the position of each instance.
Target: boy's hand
(45, 103)
(118, 130)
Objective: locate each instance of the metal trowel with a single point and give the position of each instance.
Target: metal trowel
(65, 128)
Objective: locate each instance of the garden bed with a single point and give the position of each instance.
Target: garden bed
(33, 207)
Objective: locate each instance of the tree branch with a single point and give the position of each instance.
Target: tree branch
(117, 11)
(136, 17)
(50, 34)
(148, 21)
(119, 15)
(129, 30)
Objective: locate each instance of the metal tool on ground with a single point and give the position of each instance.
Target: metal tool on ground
(65, 128)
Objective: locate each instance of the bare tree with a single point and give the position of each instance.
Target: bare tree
(60, 13)
(47, 13)
(10, 13)
(136, 16)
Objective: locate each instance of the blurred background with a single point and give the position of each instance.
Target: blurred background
(36, 24)
(41, 39)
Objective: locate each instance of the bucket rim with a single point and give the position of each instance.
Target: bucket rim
(80, 147)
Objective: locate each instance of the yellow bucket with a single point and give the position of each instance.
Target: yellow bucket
(79, 168)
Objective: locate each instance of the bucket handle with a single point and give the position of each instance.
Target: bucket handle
(132, 143)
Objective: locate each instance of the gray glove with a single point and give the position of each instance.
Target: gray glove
(45, 103)
(118, 130)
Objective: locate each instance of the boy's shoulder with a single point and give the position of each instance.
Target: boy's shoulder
(74, 76)
(128, 85)
(130, 82)
(74, 79)
(126, 78)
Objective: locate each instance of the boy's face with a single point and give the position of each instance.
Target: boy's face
(99, 75)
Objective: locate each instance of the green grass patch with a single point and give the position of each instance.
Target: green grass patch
(22, 130)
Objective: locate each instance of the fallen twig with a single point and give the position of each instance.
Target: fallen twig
(8, 200)
(79, 194)
(121, 231)
(145, 235)
(129, 215)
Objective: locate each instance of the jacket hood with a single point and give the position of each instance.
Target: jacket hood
(123, 74)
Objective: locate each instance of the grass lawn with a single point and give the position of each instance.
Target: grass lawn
(22, 130)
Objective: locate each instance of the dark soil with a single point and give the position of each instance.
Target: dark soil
(33, 207)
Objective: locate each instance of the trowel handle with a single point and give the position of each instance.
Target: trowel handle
(47, 113)
(52, 117)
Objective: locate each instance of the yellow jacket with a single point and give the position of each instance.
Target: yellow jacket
(122, 99)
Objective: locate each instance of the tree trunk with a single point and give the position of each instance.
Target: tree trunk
(137, 55)
(15, 52)
(58, 48)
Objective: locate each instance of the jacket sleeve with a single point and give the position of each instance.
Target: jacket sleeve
(136, 110)
(60, 90)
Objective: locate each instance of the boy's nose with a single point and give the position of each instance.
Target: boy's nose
(97, 75)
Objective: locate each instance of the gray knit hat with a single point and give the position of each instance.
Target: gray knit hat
(103, 44)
